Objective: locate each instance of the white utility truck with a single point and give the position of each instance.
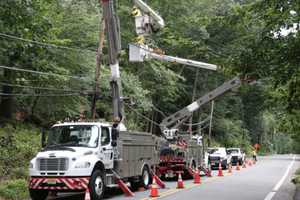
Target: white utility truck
(219, 155)
(82, 155)
(237, 156)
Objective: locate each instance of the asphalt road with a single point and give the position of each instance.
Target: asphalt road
(269, 179)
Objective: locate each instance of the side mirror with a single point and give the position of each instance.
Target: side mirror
(43, 138)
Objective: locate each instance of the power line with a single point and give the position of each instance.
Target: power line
(143, 116)
(43, 88)
(199, 123)
(39, 95)
(42, 73)
(45, 44)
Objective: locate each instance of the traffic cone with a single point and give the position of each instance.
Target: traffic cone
(244, 164)
(230, 168)
(180, 182)
(238, 166)
(154, 190)
(87, 195)
(197, 179)
(250, 163)
(208, 171)
(220, 172)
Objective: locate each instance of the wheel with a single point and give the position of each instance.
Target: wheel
(97, 185)
(146, 177)
(38, 194)
(225, 164)
(143, 181)
(241, 162)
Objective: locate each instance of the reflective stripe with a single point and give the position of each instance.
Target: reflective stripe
(81, 183)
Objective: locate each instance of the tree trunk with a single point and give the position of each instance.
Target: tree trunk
(6, 105)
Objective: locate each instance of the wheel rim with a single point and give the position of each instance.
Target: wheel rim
(99, 186)
(146, 177)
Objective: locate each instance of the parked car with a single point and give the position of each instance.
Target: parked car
(237, 156)
(219, 154)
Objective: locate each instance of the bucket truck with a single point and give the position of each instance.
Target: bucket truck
(183, 152)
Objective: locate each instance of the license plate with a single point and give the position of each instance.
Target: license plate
(51, 181)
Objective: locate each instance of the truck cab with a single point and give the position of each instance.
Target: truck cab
(219, 155)
(237, 156)
(68, 161)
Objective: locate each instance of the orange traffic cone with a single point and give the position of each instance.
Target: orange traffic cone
(244, 164)
(87, 194)
(197, 179)
(208, 171)
(180, 182)
(230, 168)
(250, 163)
(238, 166)
(154, 190)
(220, 172)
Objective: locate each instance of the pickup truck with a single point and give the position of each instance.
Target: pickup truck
(237, 156)
(218, 154)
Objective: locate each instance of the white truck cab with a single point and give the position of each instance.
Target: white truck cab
(237, 156)
(219, 155)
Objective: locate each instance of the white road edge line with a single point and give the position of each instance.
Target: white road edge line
(278, 185)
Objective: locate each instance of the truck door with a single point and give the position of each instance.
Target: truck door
(106, 149)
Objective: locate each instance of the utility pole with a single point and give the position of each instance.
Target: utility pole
(210, 122)
(98, 65)
(114, 48)
(193, 99)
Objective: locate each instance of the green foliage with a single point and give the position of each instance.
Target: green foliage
(14, 189)
(19, 144)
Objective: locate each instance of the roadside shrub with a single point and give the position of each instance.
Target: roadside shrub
(18, 145)
(14, 190)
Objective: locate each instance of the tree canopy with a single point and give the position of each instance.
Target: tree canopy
(48, 58)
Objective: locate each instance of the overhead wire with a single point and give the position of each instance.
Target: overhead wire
(43, 73)
(141, 115)
(45, 44)
(40, 95)
(44, 88)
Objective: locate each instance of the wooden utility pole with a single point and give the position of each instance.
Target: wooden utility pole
(98, 66)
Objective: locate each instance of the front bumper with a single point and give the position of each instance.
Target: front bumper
(59, 183)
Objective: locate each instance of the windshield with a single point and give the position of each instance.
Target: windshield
(83, 136)
(230, 151)
(211, 151)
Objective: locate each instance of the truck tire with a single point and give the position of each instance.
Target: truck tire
(38, 194)
(146, 178)
(97, 185)
(224, 164)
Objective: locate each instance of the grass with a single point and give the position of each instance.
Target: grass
(296, 178)
(14, 190)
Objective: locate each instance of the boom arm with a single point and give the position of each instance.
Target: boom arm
(174, 120)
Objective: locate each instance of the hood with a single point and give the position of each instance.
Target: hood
(66, 152)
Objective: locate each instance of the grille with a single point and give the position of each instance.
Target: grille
(53, 164)
(234, 158)
(214, 158)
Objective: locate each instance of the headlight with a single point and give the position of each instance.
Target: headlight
(83, 165)
(30, 165)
